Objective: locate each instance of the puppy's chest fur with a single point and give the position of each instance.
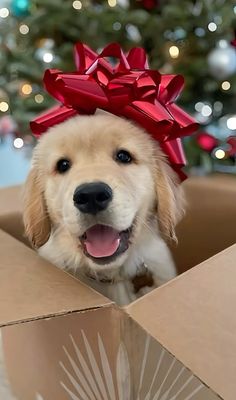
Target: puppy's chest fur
(123, 290)
(149, 265)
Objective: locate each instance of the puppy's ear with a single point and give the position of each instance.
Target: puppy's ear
(170, 199)
(35, 216)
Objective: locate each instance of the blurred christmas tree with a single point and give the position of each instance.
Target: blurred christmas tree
(195, 38)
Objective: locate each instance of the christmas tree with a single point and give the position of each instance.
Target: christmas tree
(195, 38)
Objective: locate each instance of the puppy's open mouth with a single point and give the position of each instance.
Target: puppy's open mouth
(103, 243)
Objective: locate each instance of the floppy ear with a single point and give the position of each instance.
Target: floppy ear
(35, 216)
(170, 199)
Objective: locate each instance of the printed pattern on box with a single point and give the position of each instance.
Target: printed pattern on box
(94, 355)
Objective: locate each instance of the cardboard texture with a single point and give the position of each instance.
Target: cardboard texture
(92, 359)
(11, 200)
(61, 340)
(208, 226)
(199, 326)
(31, 287)
(11, 212)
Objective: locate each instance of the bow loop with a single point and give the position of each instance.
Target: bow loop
(84, 57)
(128, 89)
(114, 50)
(137, 59)
(170, 88)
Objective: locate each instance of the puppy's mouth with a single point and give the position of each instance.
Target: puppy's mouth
(103, 243)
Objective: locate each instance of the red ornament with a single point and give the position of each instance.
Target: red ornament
(232, 142)
(149, 4)
(206, 142)
(233, 42)
(130, 90)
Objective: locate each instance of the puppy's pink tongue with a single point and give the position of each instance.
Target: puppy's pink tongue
(101, 241)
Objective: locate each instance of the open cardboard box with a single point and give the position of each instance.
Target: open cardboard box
(61, 340)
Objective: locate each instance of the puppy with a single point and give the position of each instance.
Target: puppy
(100, 202)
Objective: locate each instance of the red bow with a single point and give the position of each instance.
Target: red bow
(130, 89)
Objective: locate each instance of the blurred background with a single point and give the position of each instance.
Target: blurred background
(196, 38)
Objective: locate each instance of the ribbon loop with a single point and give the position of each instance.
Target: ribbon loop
(127, 89)
(137, 59)
(84, 57)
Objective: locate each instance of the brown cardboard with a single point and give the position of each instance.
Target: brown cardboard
(12, 223)
(176, 343)
(30, 287)
(195, 320)
(11, 212)
(11, 199)
(48, 345)
(89, 356)
(209, 224)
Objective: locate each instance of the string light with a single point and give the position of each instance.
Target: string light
(116, 26)
(218, 19)
(200, 32)
(174, 51)
(223, 44)
(231, 123)
(218, 106)
(47, 57)
(220, 154)
(112, 3)
(133, 33)
(4, 107)
(26, 89)
(168, 34)
(24, 29)
(38, 98)
(4, 12)
(198, 106)
(77, 5)
(212, 26)
(226, 85)
(18, 143)
(206, 110)
(179, 33)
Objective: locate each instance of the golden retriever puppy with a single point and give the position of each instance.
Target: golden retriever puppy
(100, 202)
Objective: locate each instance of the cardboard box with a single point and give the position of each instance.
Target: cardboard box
(61, 340)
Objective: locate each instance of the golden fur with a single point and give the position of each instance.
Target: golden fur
(146, 191)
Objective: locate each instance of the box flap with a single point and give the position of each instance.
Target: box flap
(193, 317)
(31, 288)
(93, 355)
(42, 358)
(211, 205)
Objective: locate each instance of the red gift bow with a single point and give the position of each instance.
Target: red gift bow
(130, 89)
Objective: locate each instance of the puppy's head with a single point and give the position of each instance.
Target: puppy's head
(96, 181)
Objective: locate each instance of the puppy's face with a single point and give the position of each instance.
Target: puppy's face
(97, 180)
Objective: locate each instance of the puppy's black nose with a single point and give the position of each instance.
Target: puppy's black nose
(91, 198)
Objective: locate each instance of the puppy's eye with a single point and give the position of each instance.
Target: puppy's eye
(124, 157)
(63, 165)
